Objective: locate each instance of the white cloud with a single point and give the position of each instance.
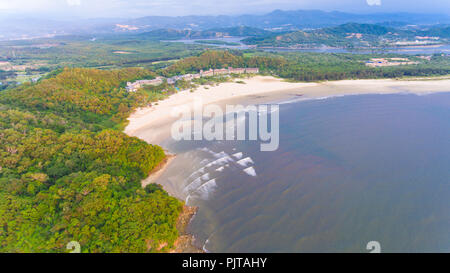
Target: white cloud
(74, 2)
(374, 2)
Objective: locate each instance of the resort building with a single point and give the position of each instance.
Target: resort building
(208, 73)
(252, 70)
(236, 70)
(221, 72)
(133, 87)
(381, 62)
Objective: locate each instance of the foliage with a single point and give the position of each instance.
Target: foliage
(214, 59)
(331, 66)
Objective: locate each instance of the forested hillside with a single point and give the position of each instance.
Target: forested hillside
(68, 173)
(320, 67)
(173, 34)
(311, 66)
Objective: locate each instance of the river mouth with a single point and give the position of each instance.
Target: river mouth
(349, 170)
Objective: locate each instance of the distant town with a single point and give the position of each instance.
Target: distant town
(134, 86)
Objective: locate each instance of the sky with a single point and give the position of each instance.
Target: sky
(138, 8)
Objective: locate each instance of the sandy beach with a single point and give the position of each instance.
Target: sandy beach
(158, 171)
(153, 123)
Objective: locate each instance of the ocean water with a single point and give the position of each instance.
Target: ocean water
(399, 50)
(349, 170)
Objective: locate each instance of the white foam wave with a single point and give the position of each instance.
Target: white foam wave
(263, 111)
(238, 155)
(245, 162)
(250, 171)
(187, 200)
(220, 155)
(221, 161)
(335, 96)
(197, 172)
(292, 101)
(204, 161)
(317, 98)
(220, 169)
(207, 242)
(205, 176)
(204, 149)
(194, 185)
(204, 247)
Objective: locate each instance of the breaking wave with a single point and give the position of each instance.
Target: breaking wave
(206, 189)
(250, 171)
(205, 176)
(193, 185)
(238, 155)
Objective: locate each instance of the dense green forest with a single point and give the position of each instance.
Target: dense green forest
(108, 51)
(311, 66)
(31, 59)
(68, 174)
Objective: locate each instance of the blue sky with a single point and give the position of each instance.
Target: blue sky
(136, 8)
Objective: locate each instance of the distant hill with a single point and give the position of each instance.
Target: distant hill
(241, 31)
(170, 34)
(284, 20)
(277, 20)
(443, 32)
(174, 34)
(352, 35)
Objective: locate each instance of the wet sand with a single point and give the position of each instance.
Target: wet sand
(153, 123)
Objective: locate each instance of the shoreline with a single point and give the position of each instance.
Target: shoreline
(152, 124)
(158, 170)
(185, 241)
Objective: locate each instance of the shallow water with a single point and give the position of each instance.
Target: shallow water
(349, 170)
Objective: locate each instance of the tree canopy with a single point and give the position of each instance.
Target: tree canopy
(68, 174)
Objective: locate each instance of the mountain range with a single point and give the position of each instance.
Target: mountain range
(355, 35)
(16, 27)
